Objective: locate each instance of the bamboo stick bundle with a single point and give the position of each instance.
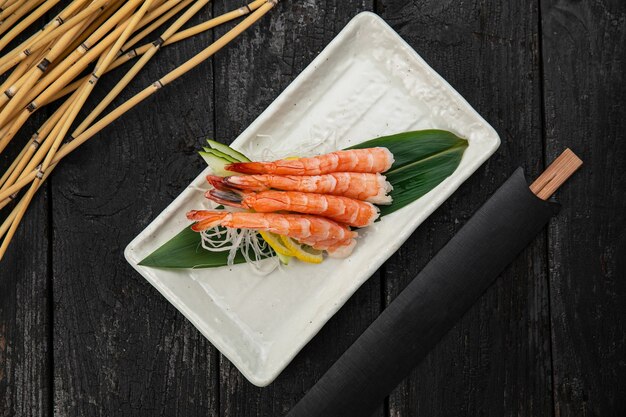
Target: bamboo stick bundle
(154, 25)
(10, 179)
(29, 20)
(24, 49)
(39, 147)
(2, 6)
(155, 46)
(63, 126)
(78, 100)
(43, 152)
(30, 78)
(177, 37)
(18, 13)
(102, 17)
(95, 37)
(25, 162)
(60, 75)
(62, 22)
(9, 7)
(16, 75)
(24, 85)
(50, 56)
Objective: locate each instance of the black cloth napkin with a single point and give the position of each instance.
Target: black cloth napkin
(430, 305)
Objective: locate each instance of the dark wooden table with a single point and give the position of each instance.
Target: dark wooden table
(82, 334)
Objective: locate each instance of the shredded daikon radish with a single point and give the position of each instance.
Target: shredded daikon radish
(253, 248)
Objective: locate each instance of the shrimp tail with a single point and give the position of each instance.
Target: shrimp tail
(227, 197)
(244, 182)
(205, 219)
(342, 250)
(246, 167)
(218, 182)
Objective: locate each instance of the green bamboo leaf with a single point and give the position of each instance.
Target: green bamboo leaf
(415, 180)
(423, 159)
(185, 251)
(409, 147)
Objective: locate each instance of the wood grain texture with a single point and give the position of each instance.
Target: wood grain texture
(25, 304)
(584, 55)
(249, 75)
(24, 316)
(120, 348)
(496, 360)
(555, 321)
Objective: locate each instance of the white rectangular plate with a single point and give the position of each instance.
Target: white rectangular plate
(366, 83)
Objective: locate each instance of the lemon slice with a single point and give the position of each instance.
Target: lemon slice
(302, 252)
(283, 252)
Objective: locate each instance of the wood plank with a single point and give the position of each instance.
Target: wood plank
(250, 74)
(496, 360)
(25, 290)
(119, 347)
(584, 56)
(25, 325)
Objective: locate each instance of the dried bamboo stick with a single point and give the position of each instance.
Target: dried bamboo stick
(8, 3)
(194, 30)
(2, 3)
(5, 5)
(64, 73)
(20, 93)
(147, 92)
(26, 110)
(134, 70)
(69, 117)
(108, 11)
(14, 82)
(42, 144)
(85, 49)
(26, 199)
(79, 17)
(31, 77)
(17, 15)
(107, 26)
(15, 75)
(23, 50)
(13, 166)
(21, 209)
(156, 24)
(9, 220)
(76, 102)
(32, 17)
(28, 162)
(10, 8)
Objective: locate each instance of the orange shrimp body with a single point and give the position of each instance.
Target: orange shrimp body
(310, 230)
(342, 209)
(361, 186)
(337, 248)
(371, 160)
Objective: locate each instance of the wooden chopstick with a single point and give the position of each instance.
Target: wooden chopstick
(556, 174)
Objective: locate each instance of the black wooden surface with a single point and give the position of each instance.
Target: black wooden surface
(81, 334)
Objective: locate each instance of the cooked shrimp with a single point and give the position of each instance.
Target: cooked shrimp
(371, 160)
(333, 237)
(342, 209)
(362, 186)
(337, 248)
